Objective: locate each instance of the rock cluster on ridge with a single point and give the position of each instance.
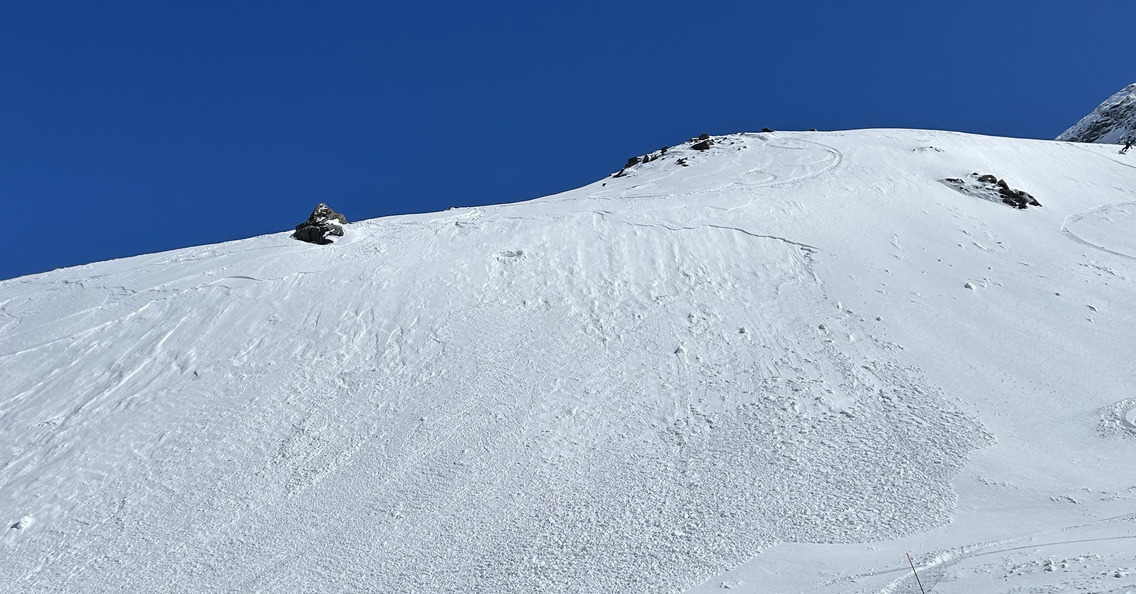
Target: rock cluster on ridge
(321, 226)
(702, 143)
(1113, 121)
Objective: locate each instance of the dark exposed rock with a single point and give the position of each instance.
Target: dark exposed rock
(704, 136)
(1013, 202)
(766, 130)
(632, 161)
(1017, 198)
(682, 162)
(990, 187)
(702, 145)
(323, 224)
(318, 234)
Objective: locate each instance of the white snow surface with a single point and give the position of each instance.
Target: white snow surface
(779, 369)
(1112, 122)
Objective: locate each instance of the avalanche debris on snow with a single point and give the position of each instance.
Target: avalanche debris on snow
(1118, 420)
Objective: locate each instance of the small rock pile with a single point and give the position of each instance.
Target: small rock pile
(633, 161)
(990, 187)
(703, 143)
(321, 226)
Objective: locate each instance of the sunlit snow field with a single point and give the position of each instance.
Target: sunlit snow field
(780, 368)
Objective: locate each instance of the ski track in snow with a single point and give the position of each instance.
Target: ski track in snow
(1102, 221)
(1058, 555)
(632, 387)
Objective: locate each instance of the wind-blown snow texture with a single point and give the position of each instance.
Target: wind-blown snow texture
(1113, 121)
(776, 369)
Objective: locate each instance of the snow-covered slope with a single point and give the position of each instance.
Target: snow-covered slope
(778, 368)
(1113, 121)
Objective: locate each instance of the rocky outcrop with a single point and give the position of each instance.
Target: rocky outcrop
(1113, 121)
(321, 226)
(990, 187)
(701, 143)
(636, 160)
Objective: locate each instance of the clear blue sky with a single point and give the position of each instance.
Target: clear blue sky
(129, 127)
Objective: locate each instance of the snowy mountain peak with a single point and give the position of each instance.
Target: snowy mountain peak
(775, 365)
(1113, 121)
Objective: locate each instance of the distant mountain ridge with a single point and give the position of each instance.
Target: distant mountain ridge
(1113, 121)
